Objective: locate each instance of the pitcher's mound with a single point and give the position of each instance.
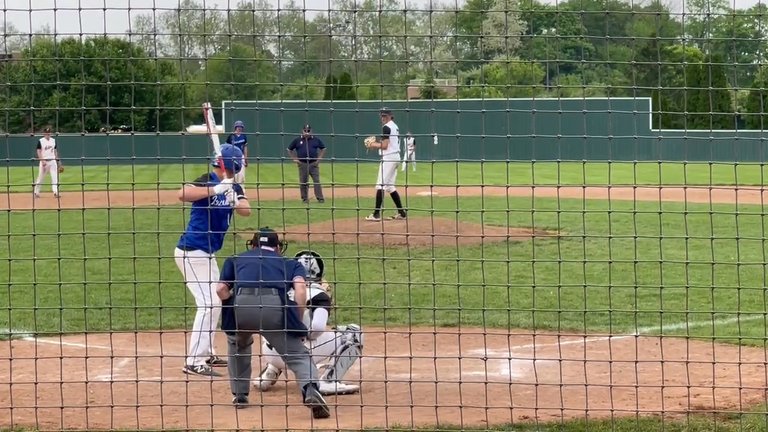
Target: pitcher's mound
(416, 231)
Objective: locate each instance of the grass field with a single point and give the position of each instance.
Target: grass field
(126, 177)
(619, 267)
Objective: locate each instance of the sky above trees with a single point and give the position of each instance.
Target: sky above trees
(705, 71)
(88, 16)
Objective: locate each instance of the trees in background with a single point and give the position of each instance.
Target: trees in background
(698, 69)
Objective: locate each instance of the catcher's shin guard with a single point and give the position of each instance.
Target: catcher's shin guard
(346, 356)
(343, 362)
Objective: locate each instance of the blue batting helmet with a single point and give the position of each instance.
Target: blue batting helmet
(238, 124)
(231, 158)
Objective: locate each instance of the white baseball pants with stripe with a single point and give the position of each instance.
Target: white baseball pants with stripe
(387, 176)
(201, 273)
(48, 167)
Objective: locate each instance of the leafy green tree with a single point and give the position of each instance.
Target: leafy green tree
(82, 86)
(331, 88)
(669, 78)
(503, 78)
(346, 87)
(241, 73)
(756, 107)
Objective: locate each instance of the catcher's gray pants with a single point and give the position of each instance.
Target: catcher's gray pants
(261, 311)
(306, 170)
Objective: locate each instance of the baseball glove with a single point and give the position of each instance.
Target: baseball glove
(369, 141)
(61, 169)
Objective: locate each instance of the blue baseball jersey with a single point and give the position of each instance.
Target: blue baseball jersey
(209, 219)
(239, 141)
(262, 268)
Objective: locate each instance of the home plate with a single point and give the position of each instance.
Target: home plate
(427, 193)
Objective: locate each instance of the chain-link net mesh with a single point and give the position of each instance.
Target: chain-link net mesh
(557, 224)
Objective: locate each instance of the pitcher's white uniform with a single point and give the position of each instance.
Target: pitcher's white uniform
(47, 152)
(410, 152)
(390, 158)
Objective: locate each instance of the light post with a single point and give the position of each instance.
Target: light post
(546, 33)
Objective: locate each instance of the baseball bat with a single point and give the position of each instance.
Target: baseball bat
(210, 124)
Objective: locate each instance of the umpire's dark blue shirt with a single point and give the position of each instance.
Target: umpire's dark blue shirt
(307, 148)
(261, 268)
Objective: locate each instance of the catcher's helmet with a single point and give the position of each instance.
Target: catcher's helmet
(312, 263)
(231, 158)
(239, 124)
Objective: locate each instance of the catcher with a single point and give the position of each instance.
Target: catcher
(340, 347)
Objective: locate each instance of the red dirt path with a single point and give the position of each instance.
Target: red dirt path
(693, 194)
(410, 377)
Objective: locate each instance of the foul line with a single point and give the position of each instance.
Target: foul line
(641, 331)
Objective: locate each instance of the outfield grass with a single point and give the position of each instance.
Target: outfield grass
(619, 266)
(125, 177)
(720, 422)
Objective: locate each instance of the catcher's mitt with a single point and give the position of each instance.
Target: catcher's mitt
(61, 169)
(369, 141)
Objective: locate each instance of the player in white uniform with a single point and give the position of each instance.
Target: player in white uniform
(334, 350)
(48, 157)
(389, 149)
(410, 151)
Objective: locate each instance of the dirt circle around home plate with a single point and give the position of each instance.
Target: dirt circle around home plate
(410, 377)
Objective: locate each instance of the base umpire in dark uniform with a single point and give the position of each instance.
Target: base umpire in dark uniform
(266, 293)
(307, 151)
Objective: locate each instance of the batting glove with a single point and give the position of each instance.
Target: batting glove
(224, 186)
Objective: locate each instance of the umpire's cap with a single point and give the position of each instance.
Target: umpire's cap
(266, 236)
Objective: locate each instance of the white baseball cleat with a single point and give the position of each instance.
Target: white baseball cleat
(336, 388)
(267, 378)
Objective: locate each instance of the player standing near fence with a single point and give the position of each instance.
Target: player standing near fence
(389, 150)
(48, 163)
(214, 197)
(339, 347)
(264, 292)
(410, 151)
(239, 139)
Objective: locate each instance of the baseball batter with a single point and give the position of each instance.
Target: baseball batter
(48, 163)
(389, 150)
(334, 350)
(240, 140)
(214, 197)
(410, 151)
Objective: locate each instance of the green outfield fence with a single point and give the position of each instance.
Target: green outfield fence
(565, 129)
(581, 247)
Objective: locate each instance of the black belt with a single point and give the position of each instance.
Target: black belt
(258, 291)
(187, 248)
(308, 161)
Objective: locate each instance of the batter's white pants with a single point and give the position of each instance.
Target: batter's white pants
(388, 172)
(48, 167)
(410, 157)
(201, 274)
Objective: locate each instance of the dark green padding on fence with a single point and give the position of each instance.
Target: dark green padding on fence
(499, 129)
